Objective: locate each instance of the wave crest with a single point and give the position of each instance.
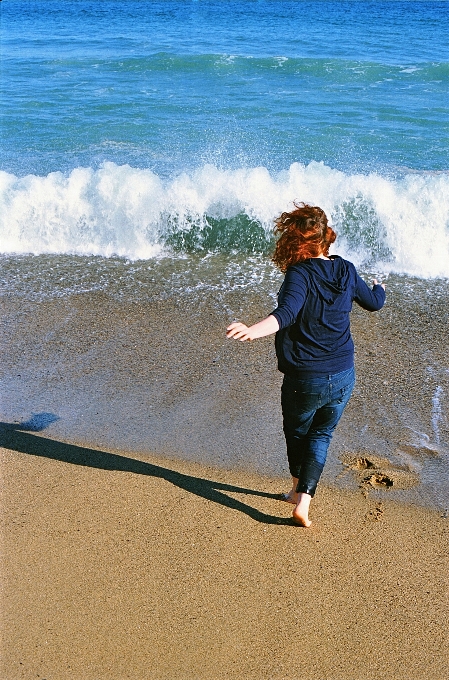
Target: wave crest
(401, 225)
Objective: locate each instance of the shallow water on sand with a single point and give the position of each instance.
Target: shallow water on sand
(132, 356)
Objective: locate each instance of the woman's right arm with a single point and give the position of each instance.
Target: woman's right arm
(291, 297)
(240, 331)
(290, 300)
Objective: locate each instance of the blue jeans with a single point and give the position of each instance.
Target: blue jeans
(311, 408)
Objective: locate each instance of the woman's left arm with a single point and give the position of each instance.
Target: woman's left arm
(239, 331)
(371, 299)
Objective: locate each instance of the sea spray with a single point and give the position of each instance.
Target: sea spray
(400, 225)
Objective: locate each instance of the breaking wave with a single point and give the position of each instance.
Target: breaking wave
(400, 225)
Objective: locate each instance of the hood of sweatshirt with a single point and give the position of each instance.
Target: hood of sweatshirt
(330, 278)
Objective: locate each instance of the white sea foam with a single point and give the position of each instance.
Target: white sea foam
(437, 412)
(401, 225)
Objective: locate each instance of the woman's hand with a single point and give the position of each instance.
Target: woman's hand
(376, 283)
(239, 331)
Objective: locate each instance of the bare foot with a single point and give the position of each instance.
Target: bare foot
(301, 511)
(291, 496)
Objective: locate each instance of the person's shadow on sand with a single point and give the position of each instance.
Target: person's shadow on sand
(19, 437)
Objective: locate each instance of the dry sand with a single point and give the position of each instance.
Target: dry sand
(138, 567)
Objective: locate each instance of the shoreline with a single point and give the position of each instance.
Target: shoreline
(153, 371)
(126, 566)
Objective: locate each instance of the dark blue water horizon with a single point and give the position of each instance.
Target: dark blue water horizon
(170, 86)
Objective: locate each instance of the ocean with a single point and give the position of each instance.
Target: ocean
(147, 148)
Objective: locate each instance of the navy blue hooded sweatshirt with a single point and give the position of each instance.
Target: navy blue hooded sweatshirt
(313, 309)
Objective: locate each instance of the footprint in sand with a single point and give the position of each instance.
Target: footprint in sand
(375, 472)
(376, 513)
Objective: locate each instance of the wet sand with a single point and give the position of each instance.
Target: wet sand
(152, 371)
(119, 566)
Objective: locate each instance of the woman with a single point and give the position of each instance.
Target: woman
(314, 347)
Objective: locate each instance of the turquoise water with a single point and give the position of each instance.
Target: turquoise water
(168, 86)
(135, 127)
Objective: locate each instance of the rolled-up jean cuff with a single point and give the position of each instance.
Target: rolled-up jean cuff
(308, 488)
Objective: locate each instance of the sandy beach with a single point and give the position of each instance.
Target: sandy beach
(143, 535)
(117, 566)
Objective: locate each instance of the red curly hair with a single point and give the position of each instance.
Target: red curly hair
(302, 233)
